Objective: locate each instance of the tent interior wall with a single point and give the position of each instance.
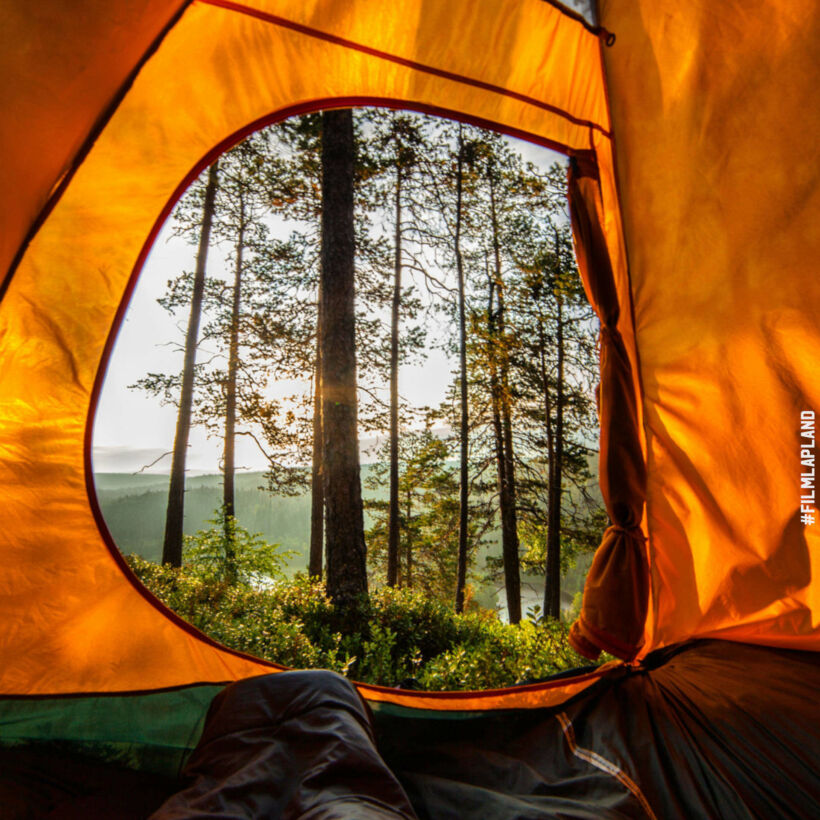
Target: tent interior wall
(696, 195)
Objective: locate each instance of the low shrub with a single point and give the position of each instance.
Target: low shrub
(397, 634)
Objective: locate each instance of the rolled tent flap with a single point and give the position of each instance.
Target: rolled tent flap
(719, 194)
(616, 594)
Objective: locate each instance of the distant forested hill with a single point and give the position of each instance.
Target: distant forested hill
(134, 509)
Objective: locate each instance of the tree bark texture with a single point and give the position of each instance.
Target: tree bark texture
(495, 404)
(229, 456)
(552, 584)
(550, 433)
(175, 512)
(509, 519)
(464, 489)
(346, 555)
(317, 489)
(393, 519)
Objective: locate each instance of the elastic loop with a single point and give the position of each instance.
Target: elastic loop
(635, 531)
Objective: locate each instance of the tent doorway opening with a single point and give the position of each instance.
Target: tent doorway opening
(475, 367)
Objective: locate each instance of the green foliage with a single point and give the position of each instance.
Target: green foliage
(581, 533)
(134, 509)
(228, 551)
(428, 515)
(500, 655)
(396, 635)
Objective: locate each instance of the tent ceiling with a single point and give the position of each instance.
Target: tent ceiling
(64, 65)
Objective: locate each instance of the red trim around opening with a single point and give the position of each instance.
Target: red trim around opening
(467, 694)
(282, 114)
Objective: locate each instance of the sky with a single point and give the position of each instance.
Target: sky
(132, 429)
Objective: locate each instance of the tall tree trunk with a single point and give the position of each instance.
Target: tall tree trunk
(552, 585)
(498, 431)
(229, 457)
(317, 489)
(550, 432)
(346, 554)
(408, 576)
(464, 490)
(175, 512)
(512, 572)
(509, 521)
(393, 520)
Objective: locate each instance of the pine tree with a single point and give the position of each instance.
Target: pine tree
(497, 167)
(228, 392)
(302, 136)
(396, 141)
(175, 511)
(346, 552)
(555, 370)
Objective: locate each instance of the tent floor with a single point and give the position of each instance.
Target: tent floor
(57, 784)
(709, 729)
(706, 729)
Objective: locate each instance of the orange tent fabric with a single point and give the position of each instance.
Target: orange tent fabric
(708, 186)
(714, 109)
(65, 66)
(79, 623)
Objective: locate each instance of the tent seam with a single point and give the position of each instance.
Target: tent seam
(67, 174)
(600, 762)
(282, 22)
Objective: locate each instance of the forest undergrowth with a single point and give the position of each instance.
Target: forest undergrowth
(394, 637)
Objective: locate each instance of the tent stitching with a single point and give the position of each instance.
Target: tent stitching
(282, 22)
(600, 762)
(77, 160)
